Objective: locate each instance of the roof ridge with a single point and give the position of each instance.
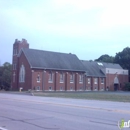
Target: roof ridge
(48, 51)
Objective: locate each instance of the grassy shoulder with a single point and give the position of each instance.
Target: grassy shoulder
(105, 96)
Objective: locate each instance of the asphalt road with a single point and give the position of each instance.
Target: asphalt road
(22, 112)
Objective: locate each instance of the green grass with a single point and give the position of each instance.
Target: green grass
(106, 96)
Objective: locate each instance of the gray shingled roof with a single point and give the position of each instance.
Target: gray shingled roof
(53, 60)
(92, 69)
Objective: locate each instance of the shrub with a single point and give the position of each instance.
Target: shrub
(127, 86)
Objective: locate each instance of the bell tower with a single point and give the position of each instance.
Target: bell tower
(17, 46)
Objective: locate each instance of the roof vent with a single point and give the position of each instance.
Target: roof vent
(99, 63)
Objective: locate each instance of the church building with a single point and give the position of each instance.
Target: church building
(54, 71)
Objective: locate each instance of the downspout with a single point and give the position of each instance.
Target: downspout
(43, 80)
(84, 82)
(108, 80)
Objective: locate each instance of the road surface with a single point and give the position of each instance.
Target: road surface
(26, 112)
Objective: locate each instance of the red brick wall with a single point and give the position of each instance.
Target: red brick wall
(79, 85)
(35, 83)
(56, 85)
(92, 85)
(102, 86)
(15, 60)
(66, 85)
(110, 80)
(28, 76)
(69, 84)
(88, 85)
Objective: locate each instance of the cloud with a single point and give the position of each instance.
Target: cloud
(73, 18)
(80, 5)
(116, 15)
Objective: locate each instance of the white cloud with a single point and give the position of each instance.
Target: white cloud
(116, 12)
(80, 5)
(64, 17)
(116, 15)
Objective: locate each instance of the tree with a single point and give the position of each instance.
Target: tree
(5, 76)
(127, 86)
(106, 58)
(123, 58)
(1, 73)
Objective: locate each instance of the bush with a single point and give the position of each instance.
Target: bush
(127, 86)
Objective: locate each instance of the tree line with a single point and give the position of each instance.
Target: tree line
(122, 58)
(5, 76)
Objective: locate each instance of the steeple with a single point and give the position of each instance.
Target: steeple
(17, 46)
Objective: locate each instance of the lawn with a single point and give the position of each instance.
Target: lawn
(106, 96)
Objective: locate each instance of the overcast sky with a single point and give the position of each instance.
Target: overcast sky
(87, 28)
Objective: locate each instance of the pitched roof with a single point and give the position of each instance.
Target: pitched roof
(92, 69)
(53, 60)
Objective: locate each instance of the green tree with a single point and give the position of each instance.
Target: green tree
(106, 58)
(5, 75)
(123, 58)
(1, 73)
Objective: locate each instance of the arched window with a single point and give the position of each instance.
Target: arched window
(22, 74)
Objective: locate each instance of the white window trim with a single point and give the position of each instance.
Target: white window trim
(71, 88)
(102, 79)
(22, 74)
(89, 80)
(102, 88)
(50, 89)
(95, 80)
(61, 88)
(50, 80)
(38, 88)
(96, 88)
(81, 80)
(72, 80)
(62, 81)
(81, 89)
(38, 79)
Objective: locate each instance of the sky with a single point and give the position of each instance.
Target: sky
(87, 28)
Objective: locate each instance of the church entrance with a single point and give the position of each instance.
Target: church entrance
(116, 84)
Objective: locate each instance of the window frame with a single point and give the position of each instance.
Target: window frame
(50, 88)
(22, 74)
(71, 78)
(50, 79)
(71, 88)
(38, 88)
(89, 80)
(102, 80)
(38, 79)
(61, 77)
(95, 80)
(61, 88)
(80, 78)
